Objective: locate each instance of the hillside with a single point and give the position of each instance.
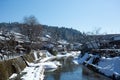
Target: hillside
(69, 34)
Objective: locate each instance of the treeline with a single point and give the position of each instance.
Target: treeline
(67, 34)
(56, 33)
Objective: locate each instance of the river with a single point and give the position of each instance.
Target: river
(70, 71)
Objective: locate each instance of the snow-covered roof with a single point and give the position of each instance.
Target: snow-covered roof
(116, 38)
(46, 53)
(63, 42)
(48, 36)
(18, 37)
(43, 39)
(2, 38)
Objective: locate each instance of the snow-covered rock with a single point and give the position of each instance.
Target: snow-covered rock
(13, 76)
(49, 66)
(57, 63)
(45, 53)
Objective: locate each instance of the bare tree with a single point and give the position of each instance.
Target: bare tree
(92, 38)
(31, 28)
(31, 20)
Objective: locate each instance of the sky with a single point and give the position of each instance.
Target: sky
(83, 15)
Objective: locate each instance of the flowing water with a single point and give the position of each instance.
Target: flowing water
(70, 71)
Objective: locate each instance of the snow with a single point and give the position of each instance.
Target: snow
(43, 38)
(35, 55)
(75, 62)
(75, 53)
(13, 76)
(48, 36)
(48, 54)
(33, 64)
(66, 55)
(109, 65)
(45, 52)
(56, 57)
(116, 38)
(63, 42)
(84, 58)
(3, 38)
(90, 60)
(57, 63)
(47, 58)
(54, 65)
(17, 34)
(33, 72)
(92, 57)
(49, 66)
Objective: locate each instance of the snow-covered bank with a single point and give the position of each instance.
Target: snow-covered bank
(108, 66)
(13, 76)
(59, 56)
(49, 66)
(33, 73)
(35, 70)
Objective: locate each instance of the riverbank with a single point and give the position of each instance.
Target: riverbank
(13, 66)
(36, 65)
(71, 71)
(35, 70)
(105, 66)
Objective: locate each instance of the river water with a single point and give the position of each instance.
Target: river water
(70, 71)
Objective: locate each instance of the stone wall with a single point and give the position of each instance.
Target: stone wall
(16, 65)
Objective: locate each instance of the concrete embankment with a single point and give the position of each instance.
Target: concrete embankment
(16, 65)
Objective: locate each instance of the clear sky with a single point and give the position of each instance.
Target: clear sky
(83, 15)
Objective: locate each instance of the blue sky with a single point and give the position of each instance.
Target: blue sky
(83, 15)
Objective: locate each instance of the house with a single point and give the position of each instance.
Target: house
(75, 46)
(116, 38)
(62, 45)
(115, 41)
(93, 44)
